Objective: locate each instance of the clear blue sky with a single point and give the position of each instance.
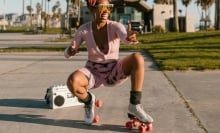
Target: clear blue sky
(15, 6)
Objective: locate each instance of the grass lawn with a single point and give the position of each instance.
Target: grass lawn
(183, 51)
(170, 51)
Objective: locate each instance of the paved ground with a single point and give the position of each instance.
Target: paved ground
(20, 40)
(179, 102)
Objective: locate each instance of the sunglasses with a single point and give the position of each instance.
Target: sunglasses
(102, 7)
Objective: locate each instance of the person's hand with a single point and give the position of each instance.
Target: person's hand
(92, 2)
(72, 49)
(131, 35)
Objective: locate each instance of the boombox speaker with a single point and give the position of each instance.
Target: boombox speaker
(59, 96)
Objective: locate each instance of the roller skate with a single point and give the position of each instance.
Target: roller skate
(139, 119)
(90, 116)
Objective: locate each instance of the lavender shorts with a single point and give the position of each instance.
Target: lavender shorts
(108, 74)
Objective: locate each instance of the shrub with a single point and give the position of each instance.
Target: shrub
(158, 29)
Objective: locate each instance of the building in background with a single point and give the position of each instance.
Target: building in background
(124, 11)
(163, 16)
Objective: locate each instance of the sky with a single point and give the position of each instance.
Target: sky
(15, 6)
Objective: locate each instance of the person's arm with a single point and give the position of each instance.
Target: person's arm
(127, 36)
(131, 35)
(72, 48)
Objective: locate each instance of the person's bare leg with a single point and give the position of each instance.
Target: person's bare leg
(77, 83)
(133, 65)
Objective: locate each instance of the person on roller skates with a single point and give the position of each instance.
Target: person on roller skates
(102, 38)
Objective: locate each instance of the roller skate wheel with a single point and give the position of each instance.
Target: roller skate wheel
(149, 127)
(98, 103)
(142, 129)
(128, 125)
(96, 119)
(136, 123)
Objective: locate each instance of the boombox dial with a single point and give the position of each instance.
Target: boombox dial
(59, 100)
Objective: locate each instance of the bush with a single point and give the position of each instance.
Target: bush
(158, 29)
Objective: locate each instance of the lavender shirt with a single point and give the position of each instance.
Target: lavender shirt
(116, 34)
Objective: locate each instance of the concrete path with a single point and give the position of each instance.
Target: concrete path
(25, 76)
(179, 102)
(21, 40)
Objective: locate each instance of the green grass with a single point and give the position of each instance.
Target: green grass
(18, 29)
(170, 51)
(184, 51)
(52, 31)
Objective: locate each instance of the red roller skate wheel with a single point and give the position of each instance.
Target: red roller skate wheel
(128, 125)
(96, 119)
(142, 129)
(149, 127)
(136, 123)
(98, 103)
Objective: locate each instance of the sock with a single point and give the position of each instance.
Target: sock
(87, 100)
(135, 97)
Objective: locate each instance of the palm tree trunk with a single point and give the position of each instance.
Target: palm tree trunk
(176, 22)
(78, 10)
(217, 15)
(23, 7)
(67, 14)
(31, 13)
(45, 17)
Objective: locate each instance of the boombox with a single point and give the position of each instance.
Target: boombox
(59, 96)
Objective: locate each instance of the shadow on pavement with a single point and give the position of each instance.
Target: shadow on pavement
(39, 119)
(24, 103)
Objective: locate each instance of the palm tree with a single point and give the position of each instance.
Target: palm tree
(54, 9)
(163, 1)
(30, 9)
(186, 4)
(76, 3)
(217, 15)
(175, 15)
(205, 5)
(4, 27)
(23, 7)
(38, 11)
(67, 14)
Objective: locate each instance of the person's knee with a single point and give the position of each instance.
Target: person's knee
(72, 82)
(138, 59)
(77, 83)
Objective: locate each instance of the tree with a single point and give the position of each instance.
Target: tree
(186, 4)
(38, 11)
(30, 9)
(205, 5)
(163, 1)
(76, 3)
(56, 12)
(67, 14)
(217, 15)
(175, 15)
